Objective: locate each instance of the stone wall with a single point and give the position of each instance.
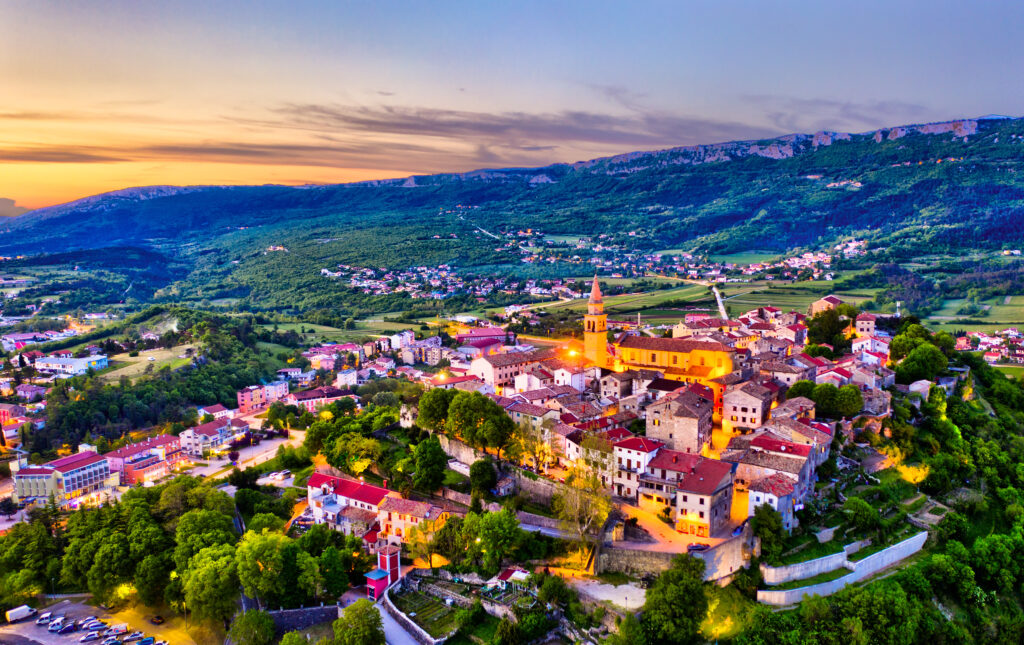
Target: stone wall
(287, 620)
(858, 571)
(458, 450)
(467, 500)
(541, 489)
(810, 568)
(633, 561)
(538, 520)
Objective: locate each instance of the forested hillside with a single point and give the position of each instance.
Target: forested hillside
(943, 187)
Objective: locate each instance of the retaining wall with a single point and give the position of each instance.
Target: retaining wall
(287, 620)
(858, 571)
(811, 568)
(720, 562)
(538, 520)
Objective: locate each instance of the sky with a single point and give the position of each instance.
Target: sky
(101, 95)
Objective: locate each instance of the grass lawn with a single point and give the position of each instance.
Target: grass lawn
(614, 578)
(315, 633)
(1015, 371)
(455, 480)
(812, 551)
(430, 613)
(483, 629)
(633, 302)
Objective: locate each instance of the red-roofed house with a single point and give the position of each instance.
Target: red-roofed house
(217, 411)
(698, 489)
(201, 440)
(345, 505)
(775, 491)
(631, 458)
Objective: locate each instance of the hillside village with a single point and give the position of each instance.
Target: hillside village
(677, 443)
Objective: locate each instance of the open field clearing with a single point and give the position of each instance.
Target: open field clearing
(152, 360)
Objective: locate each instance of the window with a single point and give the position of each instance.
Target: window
(675, 360)
(654, 357)
(684, 498)
(702, 501)
(702, 515)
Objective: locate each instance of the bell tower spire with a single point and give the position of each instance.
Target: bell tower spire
(595, 327)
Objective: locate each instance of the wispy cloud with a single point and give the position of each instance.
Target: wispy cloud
(806, 115)
(414, 139)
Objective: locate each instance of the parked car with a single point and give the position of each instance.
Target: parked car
(88, 638)
(85, 620)
(67, 629)
(55, 625)
(283, 475)
(693, 548)
(146, 641)
(134, 636)
(157, 620)
(111, 641)
(44, 618)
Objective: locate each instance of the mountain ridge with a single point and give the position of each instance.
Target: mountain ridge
(780, 147)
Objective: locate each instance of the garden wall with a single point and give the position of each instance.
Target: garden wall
(287, 620)
(858, 571)
(412, 628)
(720, 561)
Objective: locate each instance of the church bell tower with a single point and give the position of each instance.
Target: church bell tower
(595, 328)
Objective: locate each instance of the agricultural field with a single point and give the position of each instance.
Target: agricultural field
(747, 257)
(135, 366)
(364, 328)
(1014, 371)
(634, 302)
(797, 296)
(1000, 312)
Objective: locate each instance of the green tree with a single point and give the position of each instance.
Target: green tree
(676, 603)
(824, 397)
(335, 572)
(482, 476)
(151, 577)
(211, 583)
(200, 529)
(253, 627)
(583, 504)
(431, 462)
(508, 633)
(802, 388)
(360, 624)
(767, 525)
(923, 362)
(849, 401)
(433, 409)
(265, 522)
(294, 638)
(259, 561)
(862, 515)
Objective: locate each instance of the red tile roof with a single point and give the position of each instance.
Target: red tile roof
(75, 461)
(358, 491)
(780, 446)
(34, 471)
(775, 484)
(640, 444)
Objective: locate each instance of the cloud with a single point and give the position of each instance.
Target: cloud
(408, 138)
(515, 129)
(9, 209)
(809, 115)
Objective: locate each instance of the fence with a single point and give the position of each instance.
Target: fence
(858, 571)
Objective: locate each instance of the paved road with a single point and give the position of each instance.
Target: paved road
(555, 533)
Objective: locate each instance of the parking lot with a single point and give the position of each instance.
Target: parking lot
(27, 632)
